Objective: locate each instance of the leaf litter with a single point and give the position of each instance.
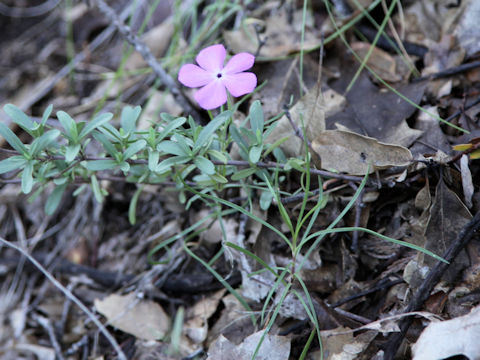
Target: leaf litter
(416, 193)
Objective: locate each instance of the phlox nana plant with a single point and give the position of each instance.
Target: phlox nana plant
(179, 150)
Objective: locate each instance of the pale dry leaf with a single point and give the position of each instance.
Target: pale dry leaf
(196, 326)
(458, 336)
(280, 36)
(144, 319)
(213, 233)
(354, 154)
(467, 182)
(273, 347)
(379, 61)
(468, 29)
(311, 109)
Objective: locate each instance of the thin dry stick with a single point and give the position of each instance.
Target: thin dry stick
(147, 55)
(45, 86)
(69, 295)
(430, 281)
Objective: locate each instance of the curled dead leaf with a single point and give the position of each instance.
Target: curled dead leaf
(348, 152)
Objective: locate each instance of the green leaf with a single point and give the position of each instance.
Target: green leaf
(42, 142)
(255, 153)
(54, 199)
(219, 178)
(97, 192)
(12, 163)
(171, 147)
(153, 157)
(124, 166)
(69, 125)
(243, 173)
(166, 164)
(174, 124)
(256, 117)
(266, 198)
(46, 114)
(107, 145)
(134, 148)
(218, 155)
(19, 117)
(27, 177)
(129, 118)
(95, 123)
(205, 165)
(71, 151)
(12, 139)
(207, 132)
(132, 208)
(99, 165)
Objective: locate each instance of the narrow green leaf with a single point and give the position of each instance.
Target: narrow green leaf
(46, 114)
(167, 129)
(134, 148)
(205, 165)
(12, 139)
(132, 208)
(171, 147)
(266, 198)
(42, 142)
(218, 155)
(166, 164)
(97, 192)
(71, 151)
(54, 199)
(27, 177)
(255, 153)
(12, 163)
(153, 157)
(256, 117)
(95, 123)
(108, 146)
(129, 118)
(207, 132)
(241, 174)
(99, 165)
(19, 117)
(69, 125)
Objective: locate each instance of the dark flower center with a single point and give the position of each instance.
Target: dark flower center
(219, 75)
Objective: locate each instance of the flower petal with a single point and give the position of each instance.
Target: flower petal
(238, 63)
(194, 76)
(241, 83)
(212, 58)
(211, 96)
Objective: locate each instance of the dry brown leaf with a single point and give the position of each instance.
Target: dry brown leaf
(351, 153)
(142, 318)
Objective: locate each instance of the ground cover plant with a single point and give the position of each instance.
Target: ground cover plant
(239, 179)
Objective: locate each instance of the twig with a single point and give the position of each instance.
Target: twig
(44, 87)
(450, 71)
(69, 295)
(32, 11)
(430, 281)
(47, 325)
(147, 55)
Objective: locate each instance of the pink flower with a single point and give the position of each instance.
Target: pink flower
(213, 77)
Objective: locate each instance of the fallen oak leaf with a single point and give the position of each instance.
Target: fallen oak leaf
(355, 154)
